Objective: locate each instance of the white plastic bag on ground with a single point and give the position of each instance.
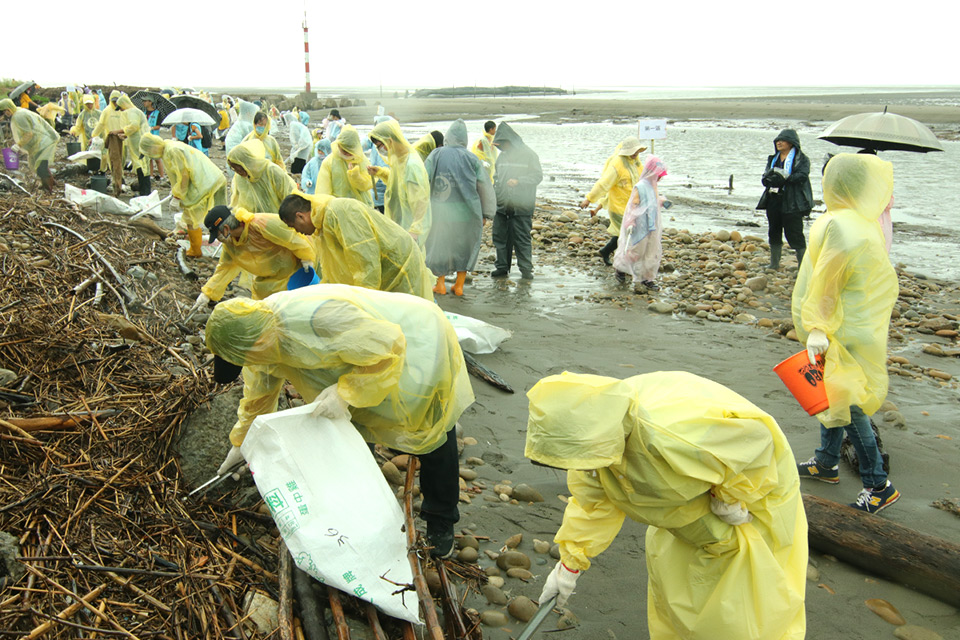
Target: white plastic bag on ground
(477, 336)
(100, 202)
(141, 203)
(335, 511)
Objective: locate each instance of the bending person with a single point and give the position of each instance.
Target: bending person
(259, 244)
(710, 473)
(34, 135)
(387, 361)
(194, 180)
(358, 246)
(845, 292)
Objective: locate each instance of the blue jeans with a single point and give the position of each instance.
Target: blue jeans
(864, 442)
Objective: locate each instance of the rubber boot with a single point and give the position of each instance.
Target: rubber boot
(775, 251)
(800, 252)
(196, 241)
(458, 287)
(441, 287)
(610, 247)
(143, 181)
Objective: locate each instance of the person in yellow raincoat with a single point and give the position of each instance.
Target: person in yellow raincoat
(34, 135)
(261, 132)
(389, 362)
(357, 245)
(407, 198)
(484, 150)
(258, 184)
(259, 244)
(426, 145)
(122, 119)
(134, 129)
(845, 292)
(620, 173)
(710, 473)
(343, 173)
(194, 180)
(86, 122)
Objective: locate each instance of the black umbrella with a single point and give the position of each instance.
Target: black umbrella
(20, 89)
(193, 102)
(161, 104)
(169, 92)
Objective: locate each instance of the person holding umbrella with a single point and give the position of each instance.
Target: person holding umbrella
(34, 135)
(841, 306)
(788, 197)
(194, 180)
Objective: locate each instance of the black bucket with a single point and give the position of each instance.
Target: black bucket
(72, 148)
(93, 165)
(98, 183)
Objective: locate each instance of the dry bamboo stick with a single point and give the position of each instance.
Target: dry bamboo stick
(419, 582)
(285, 614)
(374, 621)
(66, 613)
(336, 608)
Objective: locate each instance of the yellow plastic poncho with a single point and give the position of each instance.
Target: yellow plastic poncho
(112, 118)
(194, 180)
(407, 198)
(653, 447)
(136, 125)
(483, 148)
(86, 122)
(50, 111)
(846, 286)
(359, 246)
(343, 173)
(425, 146)
(266, 184)
(613, 188)
(274, 154)
(32, 133)
(267, 249)
(394, 357)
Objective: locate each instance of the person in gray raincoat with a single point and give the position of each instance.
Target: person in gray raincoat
(460, 198)
(515, 181)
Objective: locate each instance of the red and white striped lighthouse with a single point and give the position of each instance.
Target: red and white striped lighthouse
(306, 50)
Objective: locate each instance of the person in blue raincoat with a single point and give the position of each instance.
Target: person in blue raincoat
(308, 179)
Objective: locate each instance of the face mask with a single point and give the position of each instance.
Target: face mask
(260, 130)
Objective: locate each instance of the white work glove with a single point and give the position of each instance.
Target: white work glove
(560, 583)
(734, 514)
(817, 343)
(15, 148)
(233, 459)
(202, 300)
(331, 405)
(306, 264)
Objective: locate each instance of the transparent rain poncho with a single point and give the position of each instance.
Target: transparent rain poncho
(343, 173)
(112, 118)
(266, 184)
(308, 177)
(846, 286)
(301, 142)
(274, 154)
(407, 198)
(83, 129)
(359, 246)
(194, 180)
(639, 250)
(32, 133)
(655, 448)
(394, 357)
(267, 249)
(136, 126)
(612, 190)
(456, 180)
(242, 127)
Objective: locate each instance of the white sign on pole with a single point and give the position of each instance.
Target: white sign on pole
(652, 129)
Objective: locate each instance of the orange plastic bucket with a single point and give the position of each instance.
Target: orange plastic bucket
(805, 381)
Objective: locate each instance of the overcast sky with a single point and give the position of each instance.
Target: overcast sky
(433, 43)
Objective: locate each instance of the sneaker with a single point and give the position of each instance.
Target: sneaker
(813, 469)
(498, 273)
(621, 277)
(441, 541)
(873, 501)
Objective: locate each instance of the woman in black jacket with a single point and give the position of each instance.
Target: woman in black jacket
(788, 197)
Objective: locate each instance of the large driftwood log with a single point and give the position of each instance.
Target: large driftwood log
(929, 565)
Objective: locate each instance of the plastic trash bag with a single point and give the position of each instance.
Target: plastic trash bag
(313, 473)
(477, 336)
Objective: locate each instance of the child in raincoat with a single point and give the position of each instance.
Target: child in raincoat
(308, 179)
(710, 473)
(258, 185)
(407, 198)
(845, 292)
(639, 249)
(34, 135)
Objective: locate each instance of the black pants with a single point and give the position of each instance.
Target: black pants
(511, 234)
(297, 165)
(143, 183)
(785, 224)
(43, 169)
(440, 483)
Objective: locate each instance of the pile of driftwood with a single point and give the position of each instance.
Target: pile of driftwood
(97, 538)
